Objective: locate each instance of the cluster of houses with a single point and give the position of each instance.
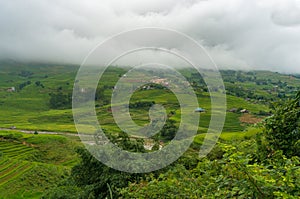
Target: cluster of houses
(162, 81)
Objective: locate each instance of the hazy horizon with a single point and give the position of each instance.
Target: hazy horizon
(39, 63)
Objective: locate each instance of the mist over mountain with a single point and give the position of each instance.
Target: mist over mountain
(238, 34)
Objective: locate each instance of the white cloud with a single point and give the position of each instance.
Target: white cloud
(258, 34)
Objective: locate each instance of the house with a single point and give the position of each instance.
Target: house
(244, 111)
(199, 110)
(12, 89)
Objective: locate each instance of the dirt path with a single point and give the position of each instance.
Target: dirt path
(40, 132)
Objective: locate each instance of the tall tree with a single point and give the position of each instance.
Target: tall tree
(282, 129)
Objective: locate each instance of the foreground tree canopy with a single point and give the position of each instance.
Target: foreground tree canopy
(282, 129)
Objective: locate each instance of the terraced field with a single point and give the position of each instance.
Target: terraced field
(13, 168)
(12, 164)
(27, 161)
(15, 150)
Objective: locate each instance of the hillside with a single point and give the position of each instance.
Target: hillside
(33, 163)
(37, 97)
(28, 107)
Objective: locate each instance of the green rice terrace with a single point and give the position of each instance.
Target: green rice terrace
(41, 155)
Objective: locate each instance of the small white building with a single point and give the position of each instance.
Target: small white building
(244, 111)
(12, 89)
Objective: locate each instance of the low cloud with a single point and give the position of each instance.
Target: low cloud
(239, 34)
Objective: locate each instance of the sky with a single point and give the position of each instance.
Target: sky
(238, 34)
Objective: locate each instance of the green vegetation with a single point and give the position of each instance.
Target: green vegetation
(29, 108)
(282, 129)
(60, 100)
(237, 168)
(257, 155)
(33, 163)
(45, 104)
(92, 179)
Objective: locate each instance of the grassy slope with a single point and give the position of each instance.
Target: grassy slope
(31, 164)
(29, 108)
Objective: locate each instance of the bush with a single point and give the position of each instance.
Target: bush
(60, 100)
(282, 129)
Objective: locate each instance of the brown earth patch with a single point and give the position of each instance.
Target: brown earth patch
(249, 119)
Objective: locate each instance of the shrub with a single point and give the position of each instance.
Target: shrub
(282, 129)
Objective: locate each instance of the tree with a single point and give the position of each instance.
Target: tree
(60, 100)
(93, 179)
(282, 129)
(169, 130)
(24, 84)
(100, 94)
(37, 83)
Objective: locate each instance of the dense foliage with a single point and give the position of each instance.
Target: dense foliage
(236, 175)
(93, 179)
(282, 129)
(60, 100)
(24, 84)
